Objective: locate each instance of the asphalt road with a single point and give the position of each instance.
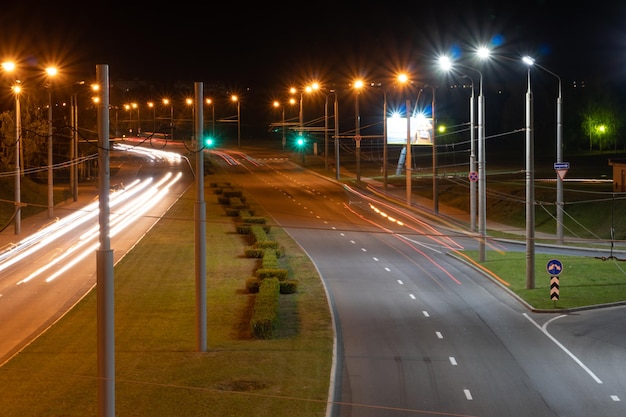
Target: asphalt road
(421, 333)
(51, 265)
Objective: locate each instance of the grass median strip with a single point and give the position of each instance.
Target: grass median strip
(158, 371)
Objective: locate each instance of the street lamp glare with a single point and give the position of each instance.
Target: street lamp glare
(445, 62)
(483, 52)
(358, 84)
(403, 78)
(234, 98)
(8, 66)
(51, 71)
(528, 60)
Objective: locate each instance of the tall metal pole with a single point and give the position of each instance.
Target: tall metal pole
(336, 117)
(559, 153)
(104, 257)
(385, 140)
(472, 160)
(200, 216)
(530, 192)
(325, 133)
(238, 124)
(18, 170)
(482, 180)
(408, 163)
(171, 121)
(559, 159)
(435, 191)
(357, 138)
(284, 139)
(50, 157)
(74, 148)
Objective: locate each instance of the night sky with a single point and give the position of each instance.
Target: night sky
(264, 44)
(258, 51)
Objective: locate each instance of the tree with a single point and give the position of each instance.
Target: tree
(33, 140)
(601, 126)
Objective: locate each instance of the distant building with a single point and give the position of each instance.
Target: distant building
(619, 174)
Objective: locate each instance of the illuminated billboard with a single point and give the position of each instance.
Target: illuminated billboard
(421, 130)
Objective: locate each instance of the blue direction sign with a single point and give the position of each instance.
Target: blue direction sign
(561, 165)
(554, 267)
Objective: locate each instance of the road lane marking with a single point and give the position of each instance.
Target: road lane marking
(468, 394)
(439, 335)
(425, 313)
(452, 360)
(570, 354)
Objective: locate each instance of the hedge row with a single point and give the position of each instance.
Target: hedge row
(269, 280)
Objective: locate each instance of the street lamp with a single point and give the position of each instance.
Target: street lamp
(559, 149)
(336, 113)
(403, 78)
(51, 71)
(446, 64)
(10, 67)
(530, 185)
(136, 106)
(282, 124)
(434, 144)
(151, 106)
(235, 99)
(130, 118)
(168, 102)
(212, 104)
(358, 84)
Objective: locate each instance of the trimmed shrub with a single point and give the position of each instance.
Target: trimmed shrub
(269, 258)
(231, 212)
(265, 314)
(253, 284)
(288, 286)
(264, 273)
(253, 219)
(253, 252)
(243, 229)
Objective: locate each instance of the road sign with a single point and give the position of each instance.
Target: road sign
(561, 169)
(473, 176)
(554, 267)
(554, 288)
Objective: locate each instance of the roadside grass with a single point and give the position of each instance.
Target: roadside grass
(584, 281)
(159, 371)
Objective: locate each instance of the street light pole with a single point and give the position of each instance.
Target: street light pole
(18, 170)
(435, 190)
(357, 131)
(51, 71)
(336, 111)
(408, 162)
(385, 140)
(559, 152)
(530, 191)
(325, 133)
(482, 182)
